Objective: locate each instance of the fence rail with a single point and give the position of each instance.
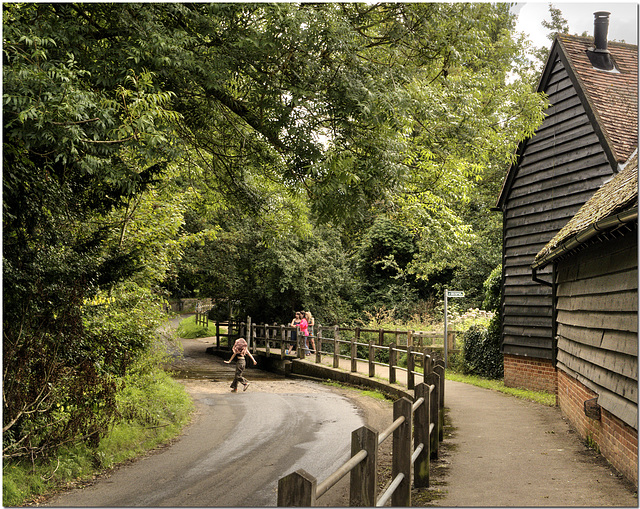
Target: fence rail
(416, 430)
(416, 433)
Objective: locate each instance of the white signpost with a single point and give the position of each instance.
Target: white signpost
(448, 294)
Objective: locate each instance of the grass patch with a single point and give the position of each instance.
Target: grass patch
(154, 408)
(188, 329)
(544, 398)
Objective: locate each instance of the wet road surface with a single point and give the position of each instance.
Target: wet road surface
(238, 445)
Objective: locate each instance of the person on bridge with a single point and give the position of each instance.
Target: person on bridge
(294, 333)
(304, 328)
(240, 350)
(311, 322)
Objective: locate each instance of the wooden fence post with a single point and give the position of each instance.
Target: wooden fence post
(363, 482)
(217, 335)
(297, 489)
(421, 430)
(354, 350)
(267, 339)
(336, 346)
(427, 365)
(392, 363)
(439, 368)
(253, 334)
(402, 451)
(381, 337)
(354, 356)
(409, 338)
(283, 341)
(300, 350)
(411, 365)
(319, 345)
(434, 405)
(372, 366)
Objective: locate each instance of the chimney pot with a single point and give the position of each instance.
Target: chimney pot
(600, 56)
(601, 30)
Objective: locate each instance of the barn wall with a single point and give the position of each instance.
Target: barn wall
(617, 441)
(530, 373)
(597, 315)
(561, 167)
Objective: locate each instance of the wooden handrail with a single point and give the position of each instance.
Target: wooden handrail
(382, 501)
(425, 413)
(324, 486)
(300, 488)
(387, 432)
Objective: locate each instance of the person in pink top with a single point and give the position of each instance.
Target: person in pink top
(310, 324)
(304, 328)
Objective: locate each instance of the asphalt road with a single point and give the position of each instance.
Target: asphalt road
(238, 445)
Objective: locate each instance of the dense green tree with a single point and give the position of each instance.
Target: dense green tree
(73, 155)
(263, 124)
(267, 274)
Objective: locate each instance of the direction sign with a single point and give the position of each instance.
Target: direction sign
(452, 293)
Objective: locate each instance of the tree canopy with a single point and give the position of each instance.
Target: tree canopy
(332, 156)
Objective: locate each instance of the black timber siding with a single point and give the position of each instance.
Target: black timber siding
(597, 310)
(560, 168)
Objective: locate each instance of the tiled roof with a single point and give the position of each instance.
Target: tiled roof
(618, 195)
(612, 94)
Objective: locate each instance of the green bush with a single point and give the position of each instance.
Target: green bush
(481, 350)
(153, 407)
(150, 409)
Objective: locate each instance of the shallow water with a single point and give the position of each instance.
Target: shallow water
(221, 374)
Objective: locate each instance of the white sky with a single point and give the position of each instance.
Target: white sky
(623, 20)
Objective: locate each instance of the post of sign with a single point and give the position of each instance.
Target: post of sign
(447, 294)
(446, 347)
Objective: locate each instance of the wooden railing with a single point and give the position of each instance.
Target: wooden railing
(416, 432)
(277, 339)
(417, 428)
(234, 330)
(202, 313)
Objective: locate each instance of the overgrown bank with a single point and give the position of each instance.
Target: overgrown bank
(152, 408)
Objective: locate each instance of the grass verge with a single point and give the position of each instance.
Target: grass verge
(154, 408)
(188, 329)
(544, 398)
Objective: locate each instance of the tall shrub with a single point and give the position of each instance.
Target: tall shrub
(481, 351)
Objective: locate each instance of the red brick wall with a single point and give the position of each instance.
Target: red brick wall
(530, 373)
(617, 441)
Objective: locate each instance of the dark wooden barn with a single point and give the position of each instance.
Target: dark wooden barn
(570, 252)
(590, 129)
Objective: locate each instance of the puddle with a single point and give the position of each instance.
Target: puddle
(189, 374)
(222, 375)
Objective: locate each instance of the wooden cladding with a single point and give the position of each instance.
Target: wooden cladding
(559, 169)
(597, 315)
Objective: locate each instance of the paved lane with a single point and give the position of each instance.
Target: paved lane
(236, 449)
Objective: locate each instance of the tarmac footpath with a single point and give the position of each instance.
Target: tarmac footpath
(505, 452)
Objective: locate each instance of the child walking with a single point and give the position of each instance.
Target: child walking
(240, 350)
